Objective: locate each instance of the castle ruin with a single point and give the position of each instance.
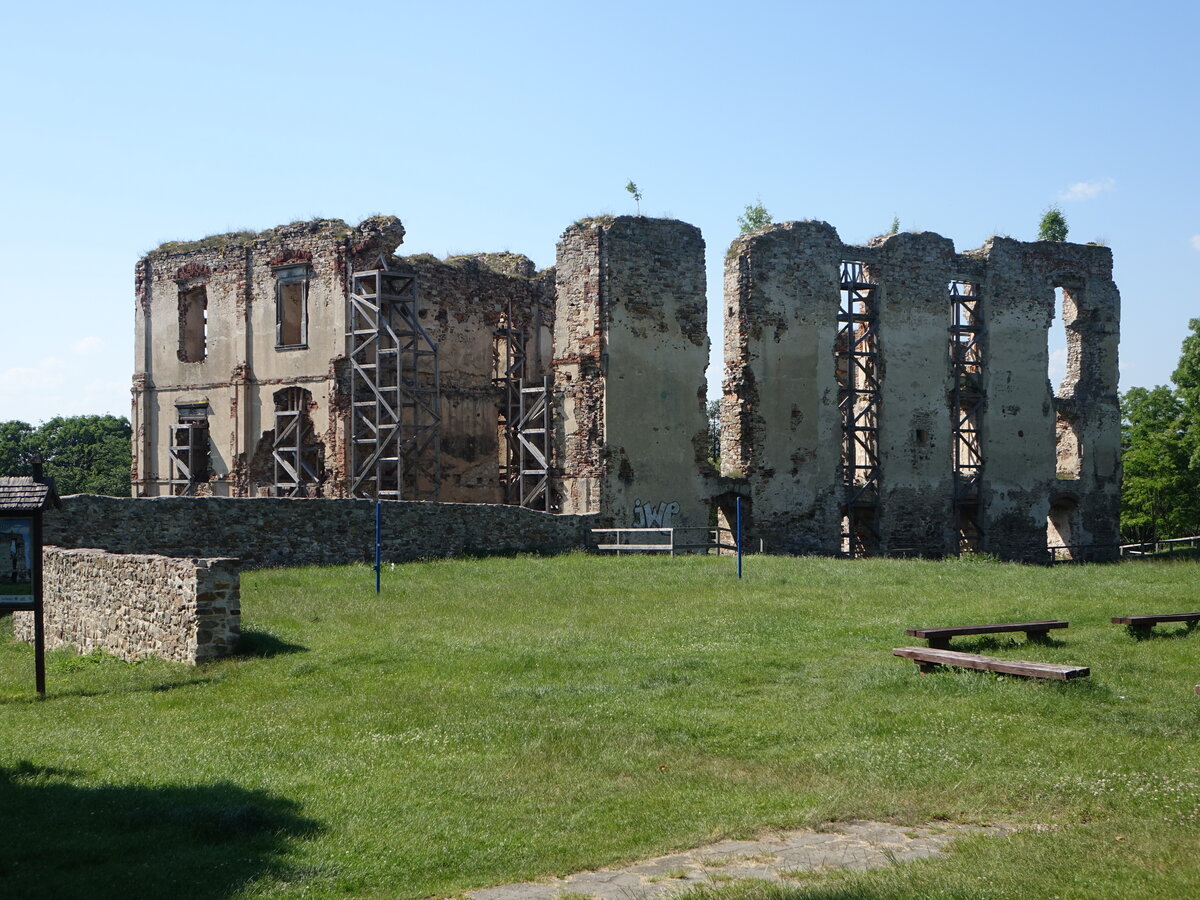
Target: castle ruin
(887, 399)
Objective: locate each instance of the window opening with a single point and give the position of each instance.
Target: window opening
(523, 422)
(296, 451)
(1063, 351)
(856, 354)
(966, 409)
(193, 324)
(291, 306)
(189, 450)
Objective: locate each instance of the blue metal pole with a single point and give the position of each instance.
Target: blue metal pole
(739, 535)
(378, 557)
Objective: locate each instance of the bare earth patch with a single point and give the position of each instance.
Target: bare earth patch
(779, 857)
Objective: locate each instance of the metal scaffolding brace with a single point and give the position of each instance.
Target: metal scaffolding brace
(857, 351)
(297, 461)
(966, 407)
(189, 457)
(395, 434)
(524, 420)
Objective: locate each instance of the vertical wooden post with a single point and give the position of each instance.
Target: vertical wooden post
(39, 630)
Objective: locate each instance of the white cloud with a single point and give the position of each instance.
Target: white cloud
(1086, 190)
(1196, 241)
(87, 345)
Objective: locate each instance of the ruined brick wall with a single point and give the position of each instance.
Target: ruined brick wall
(630, 349)
(782, 429)
(133, 606)
(464, 300)
(246, 371)
(244, 366)
(269, 531)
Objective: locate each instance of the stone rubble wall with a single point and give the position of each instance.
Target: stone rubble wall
(269, 531)
(137, 605)
(782, 429)
(631, 347)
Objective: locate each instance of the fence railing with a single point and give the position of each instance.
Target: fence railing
(683, 539)
(1158, 548)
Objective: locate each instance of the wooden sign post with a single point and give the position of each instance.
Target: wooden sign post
(22, 501)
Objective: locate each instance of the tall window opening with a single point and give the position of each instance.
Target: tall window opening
(966, 409)
(856, 360)
(291, 307)
(298, 454)
(189, 450)
(1064, 351)
(193, 324)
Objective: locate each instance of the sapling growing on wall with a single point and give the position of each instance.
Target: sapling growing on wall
(1053, 226)
(895, 229)
(636, 194)
(755, 217)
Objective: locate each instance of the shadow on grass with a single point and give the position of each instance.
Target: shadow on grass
(989, 642)
(1142, 633)
(202, 841)
(262, 643)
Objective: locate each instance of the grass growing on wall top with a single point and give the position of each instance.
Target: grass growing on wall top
(486, 721)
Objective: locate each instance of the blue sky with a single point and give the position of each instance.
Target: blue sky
(494, 126)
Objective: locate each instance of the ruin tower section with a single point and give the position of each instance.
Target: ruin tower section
(255, 375)
(780, 426)
(1052, 452)
(893, 398)
(630, 350)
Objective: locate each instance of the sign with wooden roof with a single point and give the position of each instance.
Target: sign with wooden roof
(22, 501)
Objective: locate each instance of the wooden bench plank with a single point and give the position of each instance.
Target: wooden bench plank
(926, 657)
(1150, 621)
(940, 637)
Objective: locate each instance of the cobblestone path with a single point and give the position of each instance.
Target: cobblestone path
(846, 845)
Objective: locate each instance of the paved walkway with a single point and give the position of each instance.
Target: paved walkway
(846, 845)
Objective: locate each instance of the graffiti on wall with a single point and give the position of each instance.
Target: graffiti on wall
(648, 515)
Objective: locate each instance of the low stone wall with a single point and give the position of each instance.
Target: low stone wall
(133, 605)
(268, 531)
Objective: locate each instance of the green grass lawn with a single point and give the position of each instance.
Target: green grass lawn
(487, 721)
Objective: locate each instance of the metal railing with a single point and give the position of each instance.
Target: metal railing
(669, 540)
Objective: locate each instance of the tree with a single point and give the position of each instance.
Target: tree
(895, 229)
(636, 194)
(1187, 379)
(86, 454)
(83, 454)
(15, 447)
(1160, 492)
(755, 217)
(1053, 226)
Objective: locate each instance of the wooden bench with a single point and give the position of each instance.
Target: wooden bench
(940, 637)
(1143, 624)
(929, 658)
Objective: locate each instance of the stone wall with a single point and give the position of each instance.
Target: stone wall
(268, 531)
(631, 347)
(183, 610)
(1050, 459)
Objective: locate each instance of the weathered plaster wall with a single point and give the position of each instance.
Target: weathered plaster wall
(1021, 426)
(269, 531)
(461, 303)
(243, 367)
(183, 610)
(464, 299)
(782, 428)
(631, 346)
(779, 416)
